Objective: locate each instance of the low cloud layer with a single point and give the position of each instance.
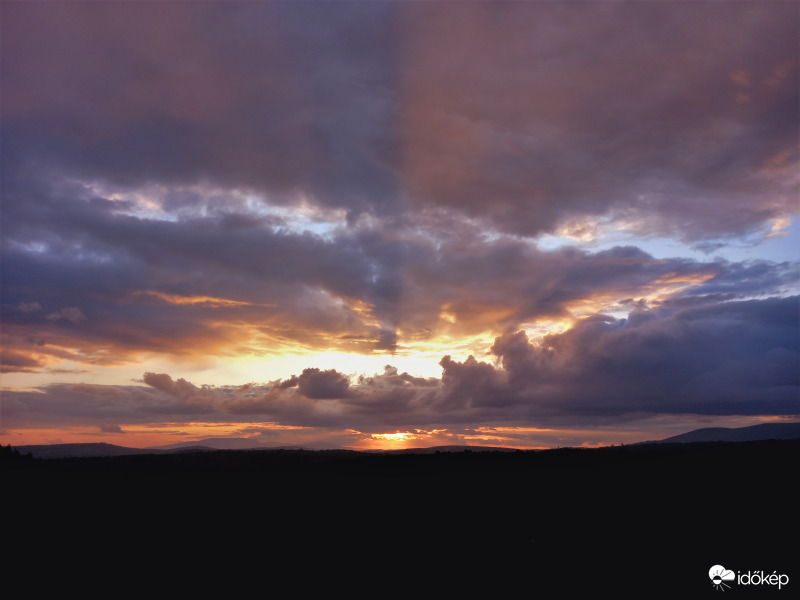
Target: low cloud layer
(736, 359)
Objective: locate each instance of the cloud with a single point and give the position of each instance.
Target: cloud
(14, 361)
(29, 306)
(111, 429)
(538, 130)
(201, 181)
(218, 284)
(71, 314)
(276, 97)
(316, 384)
(491, 112)
(164, 383)
(729, 359)
(347, 113)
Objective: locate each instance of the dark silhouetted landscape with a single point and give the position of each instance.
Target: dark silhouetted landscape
(619, 509)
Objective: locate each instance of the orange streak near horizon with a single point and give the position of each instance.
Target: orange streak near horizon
(138, 436)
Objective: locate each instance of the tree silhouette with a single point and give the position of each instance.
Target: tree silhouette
(12, 456)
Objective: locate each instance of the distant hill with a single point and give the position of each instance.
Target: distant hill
(221, 443)
(104, 450)
(225, 443)
(764, 431)
(80, 450)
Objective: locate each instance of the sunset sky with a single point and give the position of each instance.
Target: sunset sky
(385, 224)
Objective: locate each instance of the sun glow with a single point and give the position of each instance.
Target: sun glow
(394, 437)
(398, 440)
(256, 368)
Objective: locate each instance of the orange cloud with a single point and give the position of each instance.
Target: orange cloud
(206, 300)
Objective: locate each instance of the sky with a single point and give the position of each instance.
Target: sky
(388, 224)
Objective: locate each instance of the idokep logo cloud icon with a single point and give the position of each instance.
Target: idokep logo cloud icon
(719, 575)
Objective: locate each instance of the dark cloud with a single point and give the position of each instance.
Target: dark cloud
(725, 358)
(316, 384)
(280, 97)
(111, 429)
(681, 117)
(751, 277)
(527, 114)
(12, 361)
(163, 382)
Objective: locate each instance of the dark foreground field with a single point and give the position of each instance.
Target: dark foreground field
(617, 520)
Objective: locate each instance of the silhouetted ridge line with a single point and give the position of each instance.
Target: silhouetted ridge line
(764, 431)
(81, 450)
(641, 460)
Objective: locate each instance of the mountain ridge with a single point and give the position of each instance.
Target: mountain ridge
(751, 433)
(764, 431)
